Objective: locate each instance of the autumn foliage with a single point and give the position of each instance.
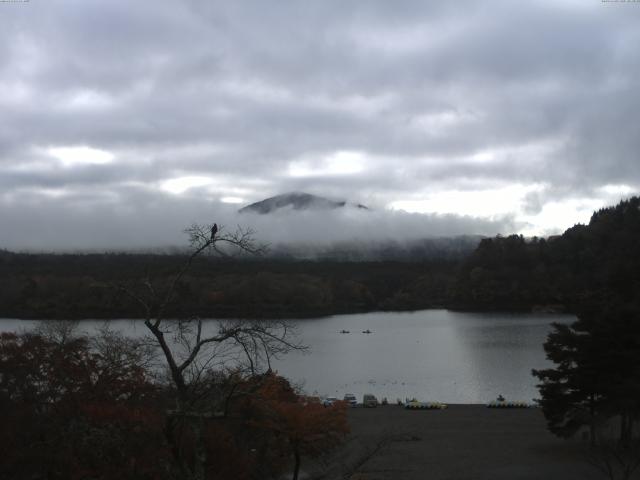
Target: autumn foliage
(268, 429)
(69, 411)
(294, 425)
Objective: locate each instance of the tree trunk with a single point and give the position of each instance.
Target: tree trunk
(169, 433)
(296, 466)
(200, 450)
(195, 470)
(592, 423)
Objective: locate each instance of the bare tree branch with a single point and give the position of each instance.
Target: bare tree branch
(193, 353)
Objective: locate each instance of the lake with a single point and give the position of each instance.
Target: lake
(433, 355)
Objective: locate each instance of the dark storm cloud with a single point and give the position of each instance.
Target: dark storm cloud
(431, 96)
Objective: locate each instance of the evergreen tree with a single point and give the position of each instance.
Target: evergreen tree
(597, 371)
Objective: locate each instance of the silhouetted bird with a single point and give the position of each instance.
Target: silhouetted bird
(214, 230)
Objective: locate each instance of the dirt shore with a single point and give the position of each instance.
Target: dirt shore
(462, 442)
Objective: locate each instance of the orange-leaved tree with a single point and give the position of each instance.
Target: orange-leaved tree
(296, 424)
(71, 411)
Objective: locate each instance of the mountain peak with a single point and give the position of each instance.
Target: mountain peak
(296, 201)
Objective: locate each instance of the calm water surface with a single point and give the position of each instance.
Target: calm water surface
(434, 355)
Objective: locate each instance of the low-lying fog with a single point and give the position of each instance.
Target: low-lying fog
(158, 222)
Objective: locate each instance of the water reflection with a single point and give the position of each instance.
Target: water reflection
(432, 355)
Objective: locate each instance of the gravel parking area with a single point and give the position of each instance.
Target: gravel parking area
(462, 442)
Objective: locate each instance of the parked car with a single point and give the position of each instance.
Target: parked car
(350, 398)
(327, 402)
(369, 400)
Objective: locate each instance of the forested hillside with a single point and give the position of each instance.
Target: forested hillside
(601, 259)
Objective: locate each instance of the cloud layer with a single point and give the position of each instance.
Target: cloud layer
(140, 117)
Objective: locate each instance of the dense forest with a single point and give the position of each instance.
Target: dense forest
(596, 262)
(86, 286)
(502, 273)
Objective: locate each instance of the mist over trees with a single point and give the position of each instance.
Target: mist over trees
(502, 273)
(39, 229)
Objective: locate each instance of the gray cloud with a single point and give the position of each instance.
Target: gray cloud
(434, 97)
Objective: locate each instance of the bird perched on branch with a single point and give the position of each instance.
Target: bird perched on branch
(214, 230)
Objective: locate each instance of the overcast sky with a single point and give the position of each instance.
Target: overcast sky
(124, 121)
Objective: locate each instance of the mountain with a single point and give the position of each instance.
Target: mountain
(296, 201)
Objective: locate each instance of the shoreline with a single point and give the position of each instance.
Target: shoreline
(541, 310)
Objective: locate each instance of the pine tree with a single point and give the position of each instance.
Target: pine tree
(596, 374)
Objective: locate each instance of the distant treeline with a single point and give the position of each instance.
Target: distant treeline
(601, 259)
(86, 286)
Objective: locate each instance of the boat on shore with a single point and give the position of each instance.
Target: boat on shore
(509, 404)
(416, 405)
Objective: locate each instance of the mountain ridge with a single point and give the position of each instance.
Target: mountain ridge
(297, 201)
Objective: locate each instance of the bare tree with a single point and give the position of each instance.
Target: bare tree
(193, 352)
(58, 331)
